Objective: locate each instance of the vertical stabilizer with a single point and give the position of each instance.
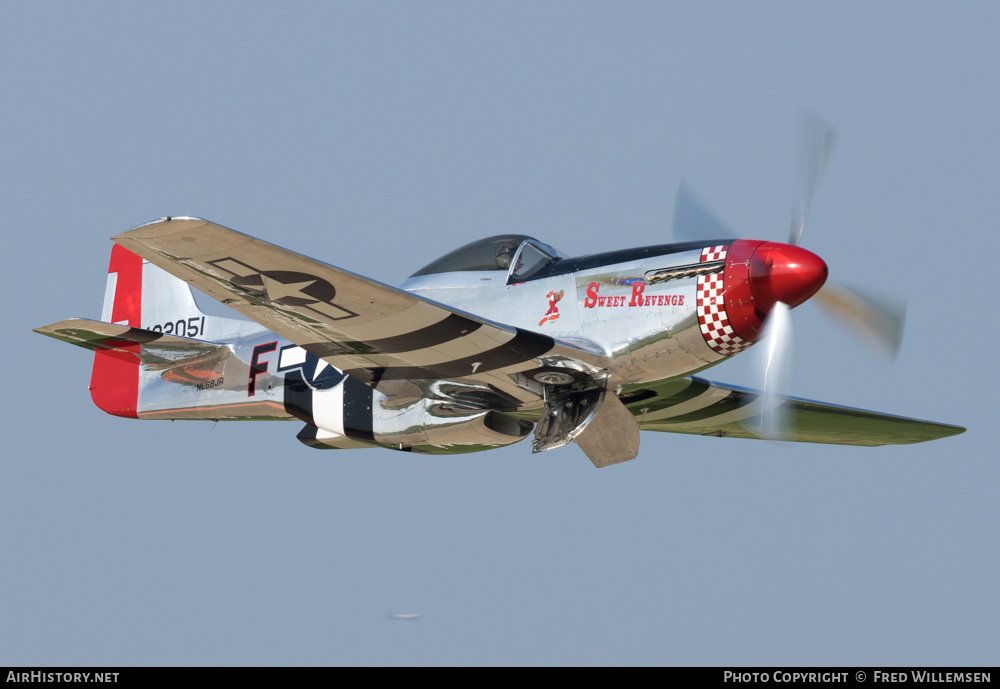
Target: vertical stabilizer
(141, 295)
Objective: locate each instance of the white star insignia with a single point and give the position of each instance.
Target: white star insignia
(279, 290)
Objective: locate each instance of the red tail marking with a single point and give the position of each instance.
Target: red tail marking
(114, 385)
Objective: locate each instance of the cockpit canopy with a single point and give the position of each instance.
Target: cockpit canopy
(496, 253)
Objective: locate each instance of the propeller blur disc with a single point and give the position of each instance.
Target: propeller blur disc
(815, 146)
(876, 320)
(777, 366)
(694, 221)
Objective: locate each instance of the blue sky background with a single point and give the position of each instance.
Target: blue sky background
(377, 137)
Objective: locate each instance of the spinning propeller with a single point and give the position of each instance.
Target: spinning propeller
(782, 276)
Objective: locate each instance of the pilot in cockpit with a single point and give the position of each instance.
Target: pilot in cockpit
(504, 254)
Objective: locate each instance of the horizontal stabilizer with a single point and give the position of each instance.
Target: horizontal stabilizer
(155, 350)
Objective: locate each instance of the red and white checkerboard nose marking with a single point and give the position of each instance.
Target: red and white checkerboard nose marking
(713, 253)
(712, 317)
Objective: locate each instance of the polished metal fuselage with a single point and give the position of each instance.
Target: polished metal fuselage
(649, 337)
(648, 331)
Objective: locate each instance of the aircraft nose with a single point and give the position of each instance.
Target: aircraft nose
(785, 273)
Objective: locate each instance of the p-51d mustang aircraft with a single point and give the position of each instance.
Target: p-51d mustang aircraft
(498, 338)
(481, 346)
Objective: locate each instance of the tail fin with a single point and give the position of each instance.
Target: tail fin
(140, 295)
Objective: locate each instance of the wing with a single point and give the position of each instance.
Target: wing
(703, 407)
(392, 340)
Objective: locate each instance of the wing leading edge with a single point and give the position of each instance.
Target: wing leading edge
(701, 407)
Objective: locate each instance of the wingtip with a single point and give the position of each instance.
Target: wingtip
(154, 224)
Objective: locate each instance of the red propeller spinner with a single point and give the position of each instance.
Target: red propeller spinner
(785, 273)
(760, 274)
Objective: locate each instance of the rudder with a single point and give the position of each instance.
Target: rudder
(114, 382)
